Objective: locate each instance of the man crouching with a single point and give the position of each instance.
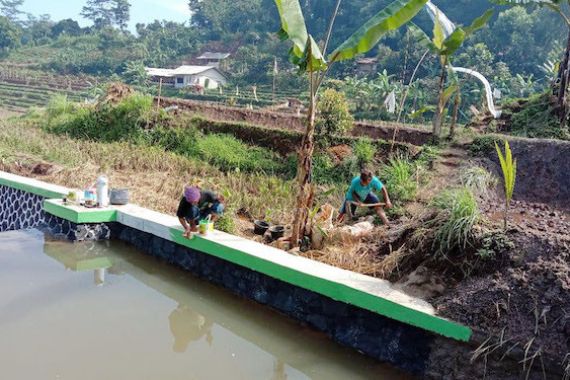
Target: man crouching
(361, 194)
(197, 205)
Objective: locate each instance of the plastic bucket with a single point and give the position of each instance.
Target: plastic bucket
(205, 226)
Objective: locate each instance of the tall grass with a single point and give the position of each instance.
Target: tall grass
(458, 214)
(400, 177)
(478, 180)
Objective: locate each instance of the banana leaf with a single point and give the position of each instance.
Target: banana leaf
(305, 52)
(479, 22)
(366, 37)
(456, 39)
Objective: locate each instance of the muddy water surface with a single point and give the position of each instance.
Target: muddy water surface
(104, 311)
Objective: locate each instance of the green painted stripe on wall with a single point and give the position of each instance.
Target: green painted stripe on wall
(334, 290)
(31, 189)
(63, 212)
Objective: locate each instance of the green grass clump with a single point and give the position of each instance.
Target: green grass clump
(399, 175)
(364, 151)
(226, 223)
(228, 153)
(458, 214)
(478, 180)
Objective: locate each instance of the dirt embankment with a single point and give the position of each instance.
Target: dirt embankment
(543, 170)
(377, 130)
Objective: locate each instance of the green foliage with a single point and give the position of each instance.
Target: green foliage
(325, 171)
(122, 122)
(509, 169)
(458, 214)
(135, 73)
(228, 153)
(334, 117)
(493, 244)
(9, 36)
(483, 145)
(535, 118)
(106, 13)
(399, 176)
(226, 223)
(364, 151)
(367, 36)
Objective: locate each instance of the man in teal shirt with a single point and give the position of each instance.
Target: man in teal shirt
(361, 192)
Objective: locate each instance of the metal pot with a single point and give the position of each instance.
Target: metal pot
(119, 197)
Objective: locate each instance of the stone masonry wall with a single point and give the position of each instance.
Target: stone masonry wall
(387, 340)
(21, 210)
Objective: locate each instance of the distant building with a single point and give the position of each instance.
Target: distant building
(208, 77)
(212, 59)
(365, 66)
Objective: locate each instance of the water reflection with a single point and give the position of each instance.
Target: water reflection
(188, 326)
(133, 303)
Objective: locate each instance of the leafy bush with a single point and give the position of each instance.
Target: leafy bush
(326, 172)
(483, 145)
(535, 118)
(122, 122)
(364, 151)
(399, 175)
(334, 116)
(458, 214)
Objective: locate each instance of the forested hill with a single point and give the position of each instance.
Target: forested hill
(518, 50)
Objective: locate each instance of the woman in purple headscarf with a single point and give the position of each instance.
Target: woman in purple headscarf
(196, 205)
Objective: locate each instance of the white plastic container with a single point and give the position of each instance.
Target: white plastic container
(102, 191)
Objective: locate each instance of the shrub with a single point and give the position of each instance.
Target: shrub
(124, 121)
(364, 151)
(399, 175)
(483, 145)
(326, 172)
(334, 116)
(458, 214)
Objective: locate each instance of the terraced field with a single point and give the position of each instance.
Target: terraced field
(20, 96)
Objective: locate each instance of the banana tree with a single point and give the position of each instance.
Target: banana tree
(561, 84)
(310, 59)
(447, 39)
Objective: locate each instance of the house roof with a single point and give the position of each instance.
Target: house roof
(156, 72)
(182, 70)
(366, 61)
(210, 55)
(192, 70)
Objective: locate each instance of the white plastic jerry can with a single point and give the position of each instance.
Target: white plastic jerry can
(103, 191)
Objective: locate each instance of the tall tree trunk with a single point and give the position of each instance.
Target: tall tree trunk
(455, 114)
(306, 192)
(562, 83)
(438, 117)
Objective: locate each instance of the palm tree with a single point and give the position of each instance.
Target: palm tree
(310, 58)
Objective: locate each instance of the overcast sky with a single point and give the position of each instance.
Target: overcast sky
(141, 10)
